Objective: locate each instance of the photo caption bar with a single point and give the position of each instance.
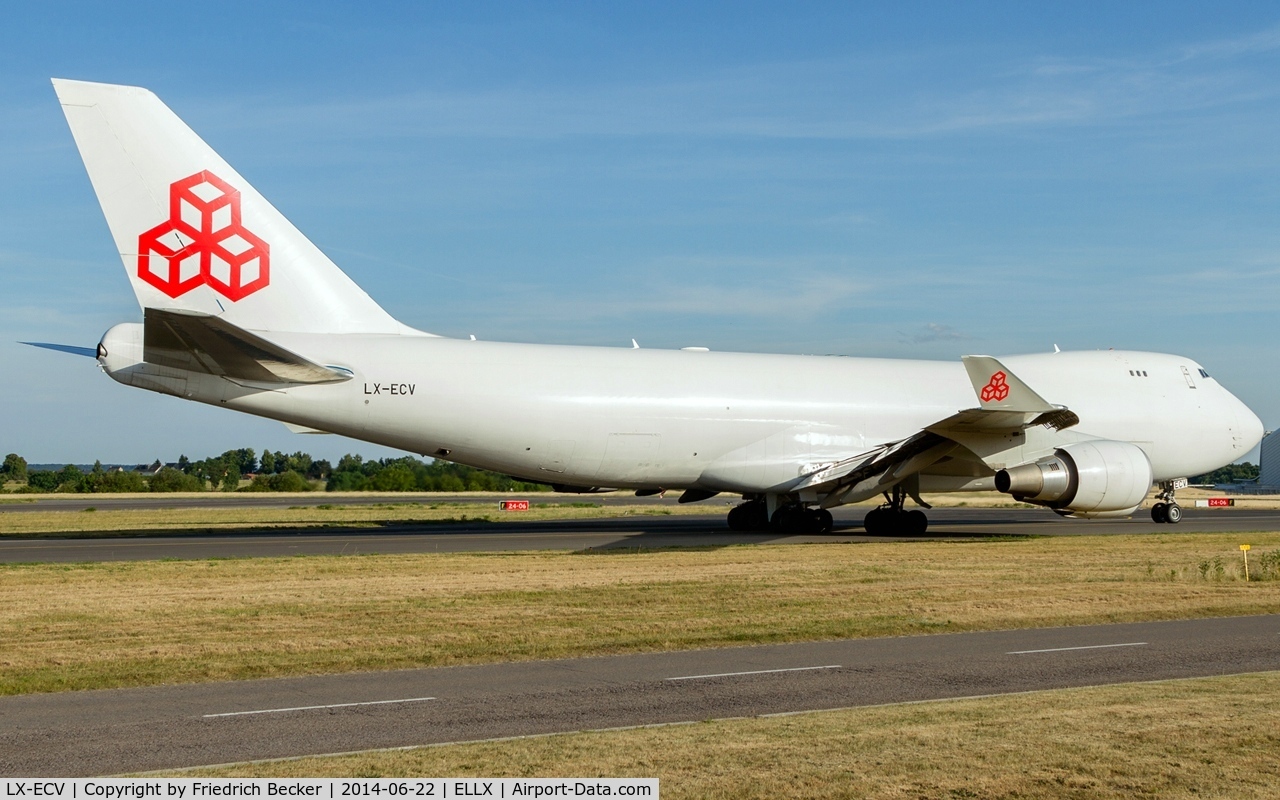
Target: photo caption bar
(325, 788)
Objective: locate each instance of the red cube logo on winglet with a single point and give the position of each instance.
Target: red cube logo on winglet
(204, 243)
(997, 389)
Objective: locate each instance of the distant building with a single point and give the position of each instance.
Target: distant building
(1268, 481)
(1269, 470)
(1269, 462)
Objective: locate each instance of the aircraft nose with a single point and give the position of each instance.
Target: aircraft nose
(1249, 428)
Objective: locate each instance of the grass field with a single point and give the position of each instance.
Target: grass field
(1206, 737)
(78, 626)
(136, 623)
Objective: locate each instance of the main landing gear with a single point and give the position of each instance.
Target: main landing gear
(749, 516)
(1167, 509)
(891, 519)
(791, 519)
(796, 520)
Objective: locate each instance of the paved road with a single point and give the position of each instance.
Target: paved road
(102, 732)
(658, 531)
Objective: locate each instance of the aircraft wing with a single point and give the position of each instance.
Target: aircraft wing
(199, 342)
(1006, 404)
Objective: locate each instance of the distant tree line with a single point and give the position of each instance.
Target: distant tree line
(407, 474)
(299, 472)
(1231, 473)
(274, 472)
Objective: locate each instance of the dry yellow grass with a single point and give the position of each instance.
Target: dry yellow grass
(134, 623)
(1208, 737)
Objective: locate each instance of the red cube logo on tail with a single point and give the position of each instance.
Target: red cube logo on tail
(996, 389)
(203, 243)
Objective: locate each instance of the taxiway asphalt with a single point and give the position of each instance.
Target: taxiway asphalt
(17, 504)
(126, 730)
(619, 532)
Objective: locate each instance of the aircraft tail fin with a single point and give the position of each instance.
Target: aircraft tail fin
(193, 234)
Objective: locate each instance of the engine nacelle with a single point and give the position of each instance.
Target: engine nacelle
(1094, 478)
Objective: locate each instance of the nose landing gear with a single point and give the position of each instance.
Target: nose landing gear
(1166, 512)
(1167, 509)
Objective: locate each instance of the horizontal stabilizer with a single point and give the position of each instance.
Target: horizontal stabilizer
(198, 342)
(66, 348)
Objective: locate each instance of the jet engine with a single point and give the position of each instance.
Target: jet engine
(1084, 479)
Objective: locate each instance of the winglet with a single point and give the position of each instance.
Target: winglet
(999, 389)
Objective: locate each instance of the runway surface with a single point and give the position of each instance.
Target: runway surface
(151, 502)
(104, 732)
(639, 531)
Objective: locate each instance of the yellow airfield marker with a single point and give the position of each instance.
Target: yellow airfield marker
(1245, 548)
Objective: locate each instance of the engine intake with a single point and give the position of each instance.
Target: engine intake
(1096, 477)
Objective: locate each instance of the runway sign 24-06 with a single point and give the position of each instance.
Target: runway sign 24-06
(1216, 502)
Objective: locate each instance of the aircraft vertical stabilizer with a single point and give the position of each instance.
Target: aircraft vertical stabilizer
(193, 234)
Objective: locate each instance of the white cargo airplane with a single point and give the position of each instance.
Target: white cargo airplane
(240, 310)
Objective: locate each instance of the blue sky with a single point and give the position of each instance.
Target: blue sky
(907, 180)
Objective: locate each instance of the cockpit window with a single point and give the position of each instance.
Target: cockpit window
(1203, 374)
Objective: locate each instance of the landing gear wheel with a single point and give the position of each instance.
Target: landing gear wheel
(796, 520)
(789, 520)
(748, 516)
(1168, 510)
(891, 519)
(1160, 512)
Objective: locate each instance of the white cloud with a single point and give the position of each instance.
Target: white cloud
(934, 332)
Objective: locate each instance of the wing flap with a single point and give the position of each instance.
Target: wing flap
(202, 343)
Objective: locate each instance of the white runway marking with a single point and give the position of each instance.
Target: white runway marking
(313, 708)
(1086, 647)
(753, 672)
